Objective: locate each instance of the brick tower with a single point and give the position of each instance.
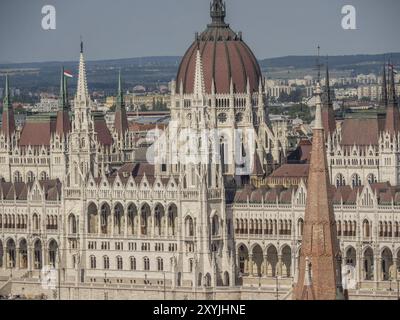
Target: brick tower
(319, 271)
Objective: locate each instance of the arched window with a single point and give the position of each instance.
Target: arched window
(160, 264)
(17, 176)
(106, 262)
(189, 227)
(44, 176)
(35, 222)
(30, 177)
(119, 263)
(146, 264)
(215, 226)
(133, 263)
(371, 178)
(355, 180)
(92, 262)
(340, 181)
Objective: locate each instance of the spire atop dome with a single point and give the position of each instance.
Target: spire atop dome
(218, 12)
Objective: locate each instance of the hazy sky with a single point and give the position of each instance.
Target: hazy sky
(133, 28)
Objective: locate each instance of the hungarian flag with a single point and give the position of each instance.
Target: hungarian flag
(68, 74)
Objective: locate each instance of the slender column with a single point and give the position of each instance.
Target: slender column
(17, 258)
(125, 222)
(112, 221)
(279, 266)
(251, 265)
(265, 271)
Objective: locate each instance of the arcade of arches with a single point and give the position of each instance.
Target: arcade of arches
(23, 255)
(138, 220)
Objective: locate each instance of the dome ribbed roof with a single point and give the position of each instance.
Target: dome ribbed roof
(225, 56)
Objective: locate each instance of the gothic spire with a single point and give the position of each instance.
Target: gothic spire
(392, 89)
(61, 98)
(320, 244)
(392, 121)
(82, 91)
(120, 94)
(218, 12)
(8, 123)
(384, 87)
(328, 116)
(121, 120)
(6, 99)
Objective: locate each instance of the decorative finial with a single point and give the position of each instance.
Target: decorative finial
(384, 87)
(218, 12)
(81, 45)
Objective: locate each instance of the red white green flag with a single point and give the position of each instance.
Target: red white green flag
(68, 74)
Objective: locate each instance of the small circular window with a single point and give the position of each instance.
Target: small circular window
(239, 117)
(222, 117)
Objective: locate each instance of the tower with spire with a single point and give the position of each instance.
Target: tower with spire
(123, 140)
(319, 269)
(83, 138)
(390, 137)
(8, 122)
(7, 132)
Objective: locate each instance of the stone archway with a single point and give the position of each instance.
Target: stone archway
(243, 259)
(386, 265)
(351, 257)
(92, 219)
(272, 260)
(53, 254)
(10, 254)
(368, 264)
(23, 254)
(256, 262)
(119, 220)
(286, 261)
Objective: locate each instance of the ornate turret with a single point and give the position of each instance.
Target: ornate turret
(121, 120)
(218, 13)
(320, 244)
(8, 122)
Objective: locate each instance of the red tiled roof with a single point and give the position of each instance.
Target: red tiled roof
(291, 171)
(37, 132)
(103, 133)
(361, 131)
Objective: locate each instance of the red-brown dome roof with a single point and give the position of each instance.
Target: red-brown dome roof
(224, 56)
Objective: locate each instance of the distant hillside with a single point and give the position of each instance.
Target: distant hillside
(151, 71)
(361, 63)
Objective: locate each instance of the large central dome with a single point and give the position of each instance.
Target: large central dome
(225, 56)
